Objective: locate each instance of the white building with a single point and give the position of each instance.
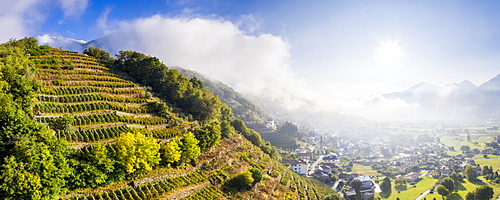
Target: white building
(299, 166)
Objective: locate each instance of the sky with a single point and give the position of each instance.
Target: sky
(324, 55)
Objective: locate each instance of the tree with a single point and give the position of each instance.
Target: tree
(415, 168)
(441, 190)
(356, 185)
(18, 182)
(256, 175)
(62, 123)
(464, 148)
(209, 135)
(385, 186)
(484, 192)
(190, 149)
(481, 193)
(457, 177)
(41, 159)
(470, 173)
(170, 152)
(137, 152)
(400, 181)
(99, 54)
(243, 180)
(449, 184)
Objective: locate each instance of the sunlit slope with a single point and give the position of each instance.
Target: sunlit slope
(87, 104)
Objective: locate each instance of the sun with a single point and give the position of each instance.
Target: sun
(389, 51)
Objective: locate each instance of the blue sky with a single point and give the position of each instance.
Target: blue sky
(328, 52)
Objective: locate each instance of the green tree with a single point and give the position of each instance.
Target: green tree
(209, 135)
(449, 184)
(99, 54)
(243, 180)
(470, 173)
(441, 190)
(457, 177)
(464, 148)
(171, 152)
(481, 193)
(62, 123)
(137, 152)
(356, 185)
(190, 149)
(400, 181)
(385, 186)
(18, 182)
(256, 175)
(42, 157)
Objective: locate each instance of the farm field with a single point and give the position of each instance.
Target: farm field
(411, 191)
(364, 169)
(464, 188)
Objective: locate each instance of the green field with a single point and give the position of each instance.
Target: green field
(460, 140)
(411, 191)
(495, 163)
(464, 188)
(364, 169)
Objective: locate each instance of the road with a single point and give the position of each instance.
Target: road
(311, 168)
(377, 187)
(427, 191)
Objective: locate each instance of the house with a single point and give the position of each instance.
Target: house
(304, 156)
(445, 171)
(298, 166)
(366, 181)
(330, 158)
(436, 174)
(412, 176)
(326, 169)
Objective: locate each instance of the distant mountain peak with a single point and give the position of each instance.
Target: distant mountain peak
(62, 42)
(491, 85)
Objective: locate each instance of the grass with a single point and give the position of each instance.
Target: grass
(464, 188)
(495, 163)
(456, 141)
(410, 191)
(364, 169)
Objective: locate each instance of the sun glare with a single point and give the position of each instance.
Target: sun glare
(389, 51)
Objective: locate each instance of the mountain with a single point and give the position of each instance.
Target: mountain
(62, 42)
(454, 101)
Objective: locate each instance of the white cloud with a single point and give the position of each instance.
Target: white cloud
(257, 64)
(16, 16)
(102, 21)
(74, 8)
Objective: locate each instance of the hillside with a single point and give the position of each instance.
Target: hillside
(127, 128)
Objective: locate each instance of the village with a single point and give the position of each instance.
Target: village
(406, 159)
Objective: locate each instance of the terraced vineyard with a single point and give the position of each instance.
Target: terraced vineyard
(86, 104)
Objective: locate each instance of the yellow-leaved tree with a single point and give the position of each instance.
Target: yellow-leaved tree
(137, 152)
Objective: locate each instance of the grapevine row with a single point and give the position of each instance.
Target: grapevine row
(90, 97)
(90, 83)
(82, 72)
(49, 107)
(92, 135)
(209, 192)
(147, 191)
(94, 119)
(83, 90)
